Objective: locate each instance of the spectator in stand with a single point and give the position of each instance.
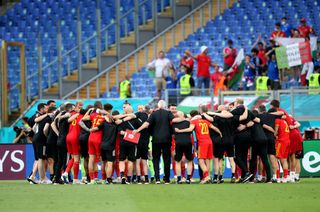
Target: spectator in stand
(307, 69)
(277, 33)
(273, 72)
(317, 60)
(218, 80)
(204, 63)
(296, 33)
(256, 61)
(229, 55)
(162, 67)
(261, 50)
(304, 29)
(286, 27)
(186, 63)
(249, 74)
(271, 49)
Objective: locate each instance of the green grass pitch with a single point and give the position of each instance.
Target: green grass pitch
(20, 196)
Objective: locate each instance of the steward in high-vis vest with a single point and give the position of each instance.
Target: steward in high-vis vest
(314, 81)
(125, 88)
(262, 83)
(186, 84)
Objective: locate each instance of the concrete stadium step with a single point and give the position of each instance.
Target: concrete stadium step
(159, 44)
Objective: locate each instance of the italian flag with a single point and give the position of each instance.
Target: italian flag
(288, 41)
(293, 54)
(235, 72)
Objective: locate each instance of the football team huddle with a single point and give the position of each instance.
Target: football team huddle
(261, 145)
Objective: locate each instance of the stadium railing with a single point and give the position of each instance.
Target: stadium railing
(144, 48)
(100, 41)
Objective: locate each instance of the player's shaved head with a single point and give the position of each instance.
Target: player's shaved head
(128, 109)
(162, 104)
(239, 101)
(180, 114)
(140, 108)
(97, 105)
(203, 108)
(221, 108)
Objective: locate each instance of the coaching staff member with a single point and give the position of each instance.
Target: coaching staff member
(159, 125)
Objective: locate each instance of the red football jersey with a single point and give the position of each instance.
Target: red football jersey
(96, 119)
(278, 34)
(74, 127)
(288, 118)
(202, 130)
(283, 130)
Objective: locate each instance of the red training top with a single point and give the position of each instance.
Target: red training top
(204, 63)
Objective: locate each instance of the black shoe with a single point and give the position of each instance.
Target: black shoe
(215, 181)
(246, 177)
(123, 180)
(58, 182)
(274, 181)
(188, 181)
(221, 181)
(30, 180)
(233, 180)
(179, 182)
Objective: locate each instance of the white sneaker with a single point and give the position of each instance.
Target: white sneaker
(284, 180)
(77, 182)
(291, 179)
(183, 180)
(118, 180)
(175, 178)
(64, 178)
(84, 180)
(45, 182)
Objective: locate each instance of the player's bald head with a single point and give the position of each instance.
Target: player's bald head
(239, 101)
(221, 108)
(180, 114)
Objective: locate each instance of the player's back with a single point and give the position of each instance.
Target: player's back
(283, 130)
(96, 120)
(74, 127)
(202, 130)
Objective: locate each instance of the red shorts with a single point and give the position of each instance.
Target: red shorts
(94, 148)
(295, 142)
(205, 151)
(282, 149)
(73, 146)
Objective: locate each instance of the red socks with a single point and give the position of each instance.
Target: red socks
(278, 173)
(205, 174)
(116, 167)
(76, 170)
(285, 173)
(69, 166)
(95, 174)
(174, 168)
(91, 174)
(183, 170)
(104, 175)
